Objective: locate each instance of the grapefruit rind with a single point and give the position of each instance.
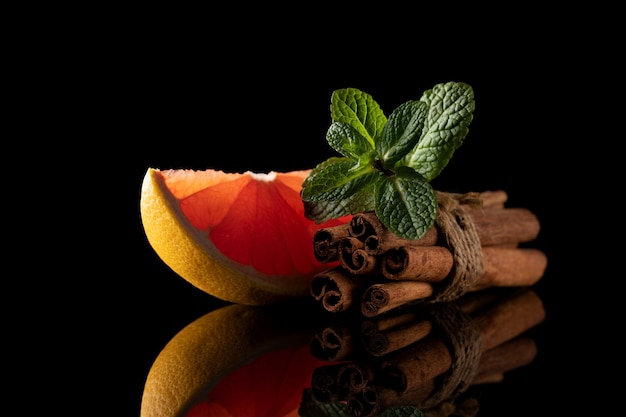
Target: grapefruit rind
(191, 254)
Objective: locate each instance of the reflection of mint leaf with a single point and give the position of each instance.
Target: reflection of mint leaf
(402, 411)
(387, 164)
(310, 407)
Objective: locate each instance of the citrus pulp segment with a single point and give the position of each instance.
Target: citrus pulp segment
(241, 237)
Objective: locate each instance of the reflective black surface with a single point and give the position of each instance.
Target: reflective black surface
(436, 357)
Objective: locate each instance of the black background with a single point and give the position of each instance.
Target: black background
(188, 96)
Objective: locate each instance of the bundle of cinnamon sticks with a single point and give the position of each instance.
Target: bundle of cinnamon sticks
(426, 356)
(474, 244)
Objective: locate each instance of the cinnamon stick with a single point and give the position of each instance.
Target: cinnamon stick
(385, 296)
(427, 263)
(494, 226)
(382, 297)
(506, 267)
(504, 226)
(501, 266)
(365, 224)
(385, 240)
(354, 258)
(326, 242)
(493, 198)
(337, 289)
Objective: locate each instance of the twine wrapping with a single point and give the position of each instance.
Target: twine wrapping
(461, 238)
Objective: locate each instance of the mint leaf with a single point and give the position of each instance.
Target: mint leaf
(406, 203)
(358, 202)
(387, 164)
(451, 107)
(335, 179)
(401, 133)
(348, 141)
(358, 110)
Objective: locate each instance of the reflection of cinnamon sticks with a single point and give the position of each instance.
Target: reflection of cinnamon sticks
(422, 372)
(438, 265)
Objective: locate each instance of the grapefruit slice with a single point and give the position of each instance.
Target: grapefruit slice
(236, 361)
(241, 237)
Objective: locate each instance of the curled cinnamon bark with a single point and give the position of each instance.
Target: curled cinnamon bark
(334, 288)
(502, 266)
(326, 242)
(354, 258)
(381, 297)
(473, 245)
(427, 263)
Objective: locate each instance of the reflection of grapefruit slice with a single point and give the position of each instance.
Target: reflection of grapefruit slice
(271, 386)
(237, 361)
(241, 237)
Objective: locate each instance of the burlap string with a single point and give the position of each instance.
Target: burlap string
(461, 238)
(463, 339)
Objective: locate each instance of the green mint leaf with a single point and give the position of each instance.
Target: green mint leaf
(359, 202)
(451, 107)
(402, 132)
(406, 203)
(358, 110)
(348, 141)
(387, 164)
(335, 179)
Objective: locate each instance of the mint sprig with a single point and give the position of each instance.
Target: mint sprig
(387, 163)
